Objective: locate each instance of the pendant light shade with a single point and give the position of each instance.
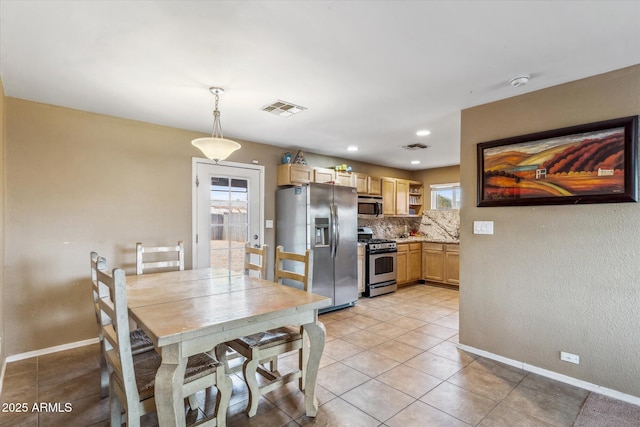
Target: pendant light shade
(216, 147)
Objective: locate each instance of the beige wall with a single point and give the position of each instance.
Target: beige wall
(553, 278)
(2, 220)
(78, 182)
(443, 175)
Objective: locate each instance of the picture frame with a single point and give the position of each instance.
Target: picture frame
(590, 163)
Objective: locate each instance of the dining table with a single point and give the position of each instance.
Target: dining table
(192, 311)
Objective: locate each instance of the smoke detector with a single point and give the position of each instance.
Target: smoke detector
(519, 80)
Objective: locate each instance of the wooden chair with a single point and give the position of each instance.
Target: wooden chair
(249, 266)
(142, 265)
(267, 346)
(132, 380)
(140, 342)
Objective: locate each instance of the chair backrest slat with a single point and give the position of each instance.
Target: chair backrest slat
(249, 266)
(115, 328)
(142, 265)
(281, 273)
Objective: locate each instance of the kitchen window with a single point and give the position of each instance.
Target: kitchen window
(445, 196)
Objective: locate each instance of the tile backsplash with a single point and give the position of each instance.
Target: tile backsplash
(437, 225)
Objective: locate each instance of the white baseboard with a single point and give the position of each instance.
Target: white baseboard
(50, 350)
(554, 375)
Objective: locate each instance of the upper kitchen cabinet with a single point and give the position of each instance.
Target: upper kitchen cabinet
(401, 197)
(388, 196)
(361, 182)
(292, 174)
(323, 175)
(415, 198)
(374, 186)
(344, 178)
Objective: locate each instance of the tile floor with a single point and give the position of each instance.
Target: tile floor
(389, 361)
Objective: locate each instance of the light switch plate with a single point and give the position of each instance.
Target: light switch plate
(482, 227)
(268, 223)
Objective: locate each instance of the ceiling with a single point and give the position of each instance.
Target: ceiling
(370, 73)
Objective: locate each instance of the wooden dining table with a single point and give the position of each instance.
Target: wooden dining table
(191, 311)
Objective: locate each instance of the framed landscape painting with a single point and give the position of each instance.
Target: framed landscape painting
(592, 163)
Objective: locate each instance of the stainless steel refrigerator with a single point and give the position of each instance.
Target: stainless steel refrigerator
(323, 218)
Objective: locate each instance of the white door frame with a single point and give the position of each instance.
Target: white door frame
(194, 197)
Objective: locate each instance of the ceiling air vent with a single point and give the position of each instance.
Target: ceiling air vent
(416, 146)
(283, 108)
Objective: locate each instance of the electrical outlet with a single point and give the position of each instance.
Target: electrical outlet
(571, 358)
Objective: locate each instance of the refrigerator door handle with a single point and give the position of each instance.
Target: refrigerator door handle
(337, 230)
(332, 236)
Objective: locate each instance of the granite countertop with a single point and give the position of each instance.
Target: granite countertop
(427, 239)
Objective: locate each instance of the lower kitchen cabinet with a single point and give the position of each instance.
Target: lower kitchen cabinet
(441, 263)
(403, 252)
(409, 263)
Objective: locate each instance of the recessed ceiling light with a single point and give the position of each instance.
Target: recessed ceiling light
(423, 132)
(519, 80)
(352, 148)
(415, 162)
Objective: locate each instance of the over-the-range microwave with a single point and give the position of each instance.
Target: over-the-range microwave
(369, 206)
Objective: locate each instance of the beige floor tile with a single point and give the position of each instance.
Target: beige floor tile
(483, 383)
(409, 380)
(378, 399)
(437, 331)
(339, 349)
(387, 330)
(364, 339)
(419, 414)
(339, 378)
(370, 363)
(500, 370)
(340, 328)
(544, 404)
(404, 308)
(460, 403)
(382, 315)
(338, 413)
(409, 323)
(425, 316)
(502, 416)
(450, 351)
(451, 321)
(292, 401)
(363, 322)
(439, 367)
(396, 350)
(418, 340)
(337, 315)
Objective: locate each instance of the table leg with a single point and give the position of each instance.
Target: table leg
(168, 391)
(316, 333)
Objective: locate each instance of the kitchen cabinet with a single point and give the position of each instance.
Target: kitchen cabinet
(323, 175)
(402, 197)
(401, 263)
(388, 196)
(344, 178)
(361, 182)
(291, 174)
(361, 268)
(452, 264)
(441, 263)
(415, 198)
(409, 263)
(374, 186)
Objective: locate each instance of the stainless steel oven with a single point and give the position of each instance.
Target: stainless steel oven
(381, 269)
(369, 207)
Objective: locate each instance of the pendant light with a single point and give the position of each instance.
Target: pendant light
(216, 147)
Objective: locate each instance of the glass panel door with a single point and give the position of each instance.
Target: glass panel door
(227, 215)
